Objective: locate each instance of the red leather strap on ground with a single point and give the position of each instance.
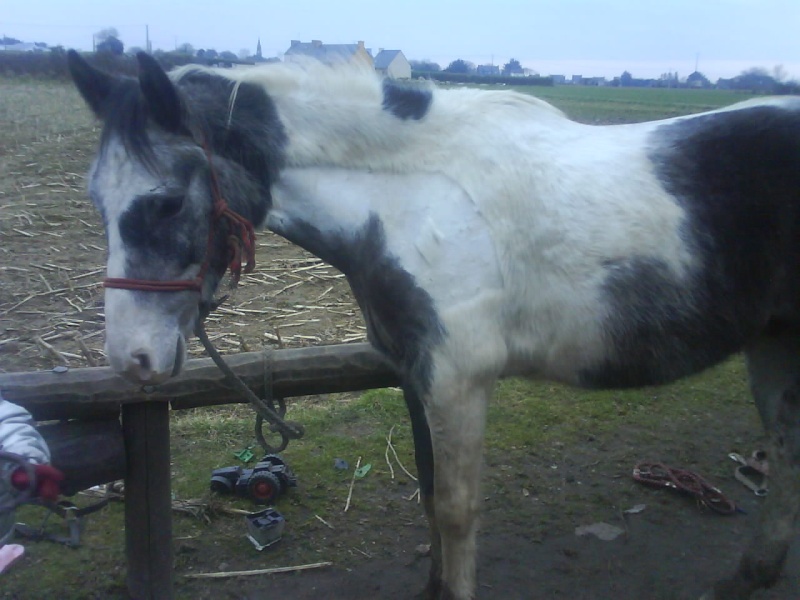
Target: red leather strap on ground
(660, 475)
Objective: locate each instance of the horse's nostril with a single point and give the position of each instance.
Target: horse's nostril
(144, 361)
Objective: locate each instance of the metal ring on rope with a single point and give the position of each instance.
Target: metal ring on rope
(262, 440)
(266, 356)
(265, 409)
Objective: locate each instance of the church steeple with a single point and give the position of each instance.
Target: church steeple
(258, 49)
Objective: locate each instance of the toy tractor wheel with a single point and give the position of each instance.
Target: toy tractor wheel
(221, 485)
(264, 488)
(274, 460)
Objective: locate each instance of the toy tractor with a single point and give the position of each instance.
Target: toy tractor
(263, 484)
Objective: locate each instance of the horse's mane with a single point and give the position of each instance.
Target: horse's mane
(215, 96)
(306, 79)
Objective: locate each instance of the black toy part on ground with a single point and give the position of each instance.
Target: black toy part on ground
(263, 484)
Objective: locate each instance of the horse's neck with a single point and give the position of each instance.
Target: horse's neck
(342, 135)
(424, 221)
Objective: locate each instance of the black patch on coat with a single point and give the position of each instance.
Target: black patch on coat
(737, 176)
(161, 237)
(402, 322)
(166, 230)
(252, 135)
(406, 101)
(401, 318)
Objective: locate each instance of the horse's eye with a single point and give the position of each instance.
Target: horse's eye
(169, 206)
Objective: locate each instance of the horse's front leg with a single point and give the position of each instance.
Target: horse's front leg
(456, 413)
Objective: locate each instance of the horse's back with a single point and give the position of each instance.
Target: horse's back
(684, 250)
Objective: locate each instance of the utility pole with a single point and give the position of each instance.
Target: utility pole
(147, 39)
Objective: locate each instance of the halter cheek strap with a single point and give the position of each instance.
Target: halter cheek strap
(241, 243)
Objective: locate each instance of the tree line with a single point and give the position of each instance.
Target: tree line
(755, 79)
(110, 53)
(464, 67)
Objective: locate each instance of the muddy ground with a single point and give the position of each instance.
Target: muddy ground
(51, 263)
(528, 546)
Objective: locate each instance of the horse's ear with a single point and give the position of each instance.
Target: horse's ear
(94, 85)
(162, 98)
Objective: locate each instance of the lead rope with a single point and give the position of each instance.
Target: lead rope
(265, 408)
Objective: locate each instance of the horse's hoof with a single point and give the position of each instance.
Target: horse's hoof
(432, 591)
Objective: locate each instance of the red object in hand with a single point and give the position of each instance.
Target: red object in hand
(47, 481)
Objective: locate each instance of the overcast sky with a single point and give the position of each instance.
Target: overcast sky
(587, 37)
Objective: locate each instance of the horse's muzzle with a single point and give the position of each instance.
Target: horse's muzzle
(151, 365)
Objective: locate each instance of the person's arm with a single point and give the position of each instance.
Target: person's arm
(18, 434)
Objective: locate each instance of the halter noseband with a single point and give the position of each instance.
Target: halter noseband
(241, 242)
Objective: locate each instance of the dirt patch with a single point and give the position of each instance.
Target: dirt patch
(528, 548)
(51, 312)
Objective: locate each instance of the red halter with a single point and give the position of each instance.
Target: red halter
(242, 241)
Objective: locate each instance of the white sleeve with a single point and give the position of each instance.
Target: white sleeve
(18, 435)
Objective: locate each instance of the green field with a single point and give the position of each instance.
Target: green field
(630, 105)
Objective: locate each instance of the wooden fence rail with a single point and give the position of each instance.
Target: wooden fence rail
(81, 394)
(90, 392)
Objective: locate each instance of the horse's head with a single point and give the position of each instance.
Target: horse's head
(171, 150)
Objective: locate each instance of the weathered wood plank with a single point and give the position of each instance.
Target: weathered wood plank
(295, 372)
(148, 499)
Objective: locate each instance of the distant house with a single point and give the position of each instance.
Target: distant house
(392, 64)
(559, 79)
(697, 80)
(329, 53)
(488, 70)
(597, 81)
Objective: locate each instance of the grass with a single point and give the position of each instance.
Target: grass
(343, 426)
(630, 105)
(525, 419)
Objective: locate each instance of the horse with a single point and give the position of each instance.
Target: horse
(483, 234)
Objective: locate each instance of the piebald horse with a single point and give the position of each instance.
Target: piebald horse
(483, 234)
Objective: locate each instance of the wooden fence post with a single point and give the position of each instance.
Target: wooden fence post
(148, 500)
